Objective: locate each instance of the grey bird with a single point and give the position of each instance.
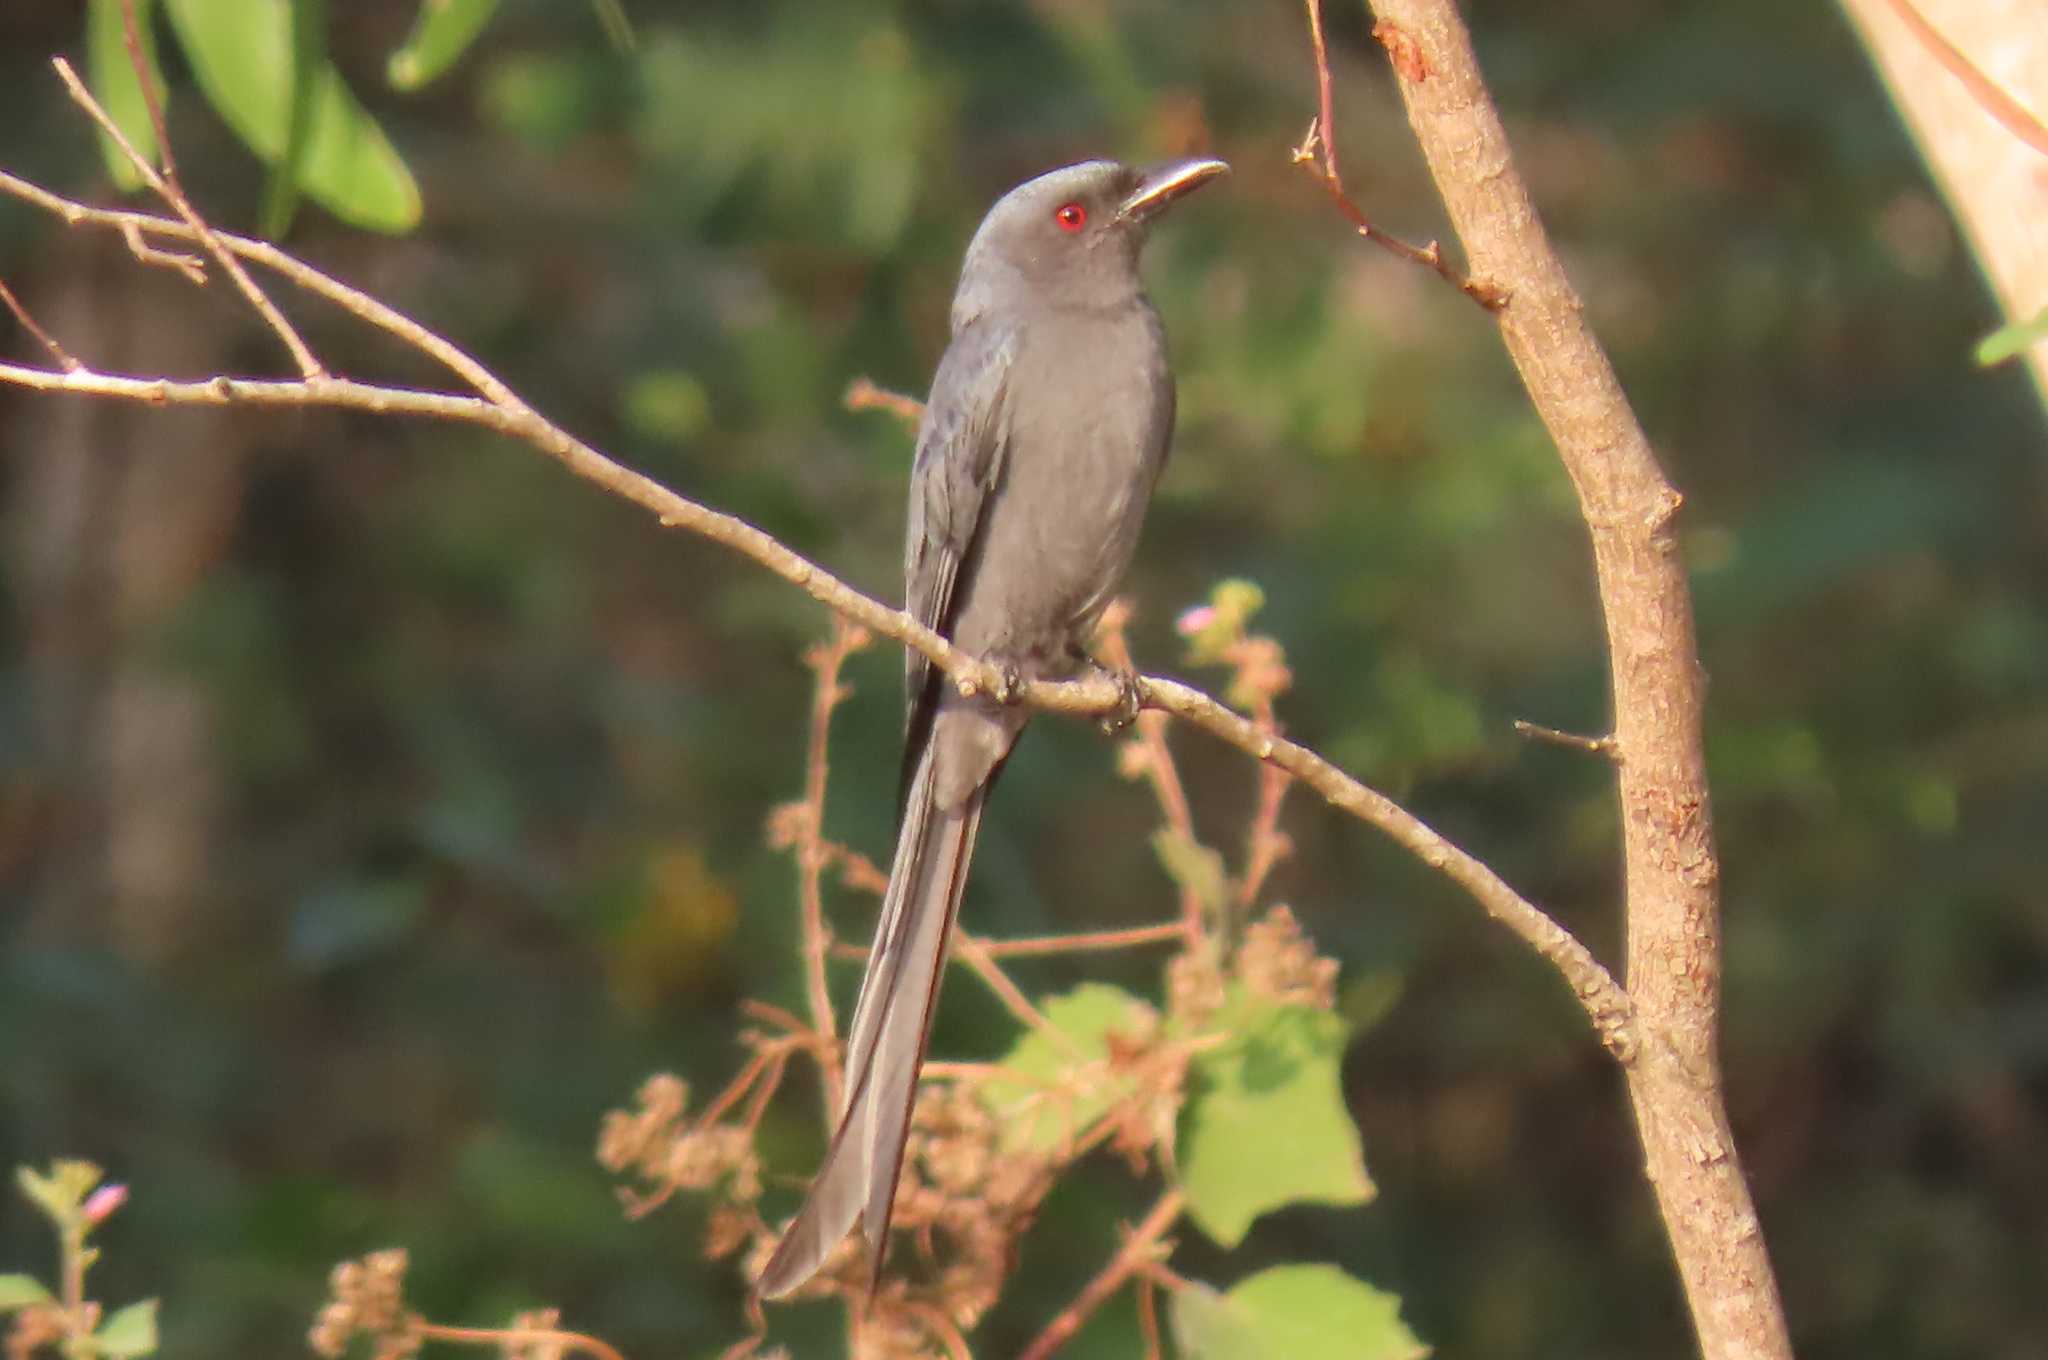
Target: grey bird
(1047, 427)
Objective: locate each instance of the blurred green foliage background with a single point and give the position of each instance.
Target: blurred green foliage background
(378, 805)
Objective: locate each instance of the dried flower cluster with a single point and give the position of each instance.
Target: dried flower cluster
(367, 1297)
(653, 1142)
(1277, 960)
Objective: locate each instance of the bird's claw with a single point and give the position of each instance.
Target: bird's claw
(1130, 700)
(1009, 683)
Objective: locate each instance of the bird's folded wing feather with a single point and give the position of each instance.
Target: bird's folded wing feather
(959, 462)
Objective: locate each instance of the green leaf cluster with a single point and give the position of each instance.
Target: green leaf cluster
(263, 66)
(1264, 1127)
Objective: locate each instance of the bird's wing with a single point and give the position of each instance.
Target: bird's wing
(960, 447)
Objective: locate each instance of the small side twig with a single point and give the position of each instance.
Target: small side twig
(1266, 844)
(1148, 1316)
(971, 951)
(1598, 746)
(1318, 155)
(28, 323)
(1131, 1260)
(191, 266)
(510, 1337)
(863, 395)
(1087, 942)
(166, 187)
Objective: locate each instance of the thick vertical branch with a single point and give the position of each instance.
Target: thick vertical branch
(1672, 874)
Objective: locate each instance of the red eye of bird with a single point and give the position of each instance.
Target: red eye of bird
(1071, 217)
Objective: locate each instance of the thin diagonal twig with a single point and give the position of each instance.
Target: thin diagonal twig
(1085, 942)
(510, 1337)
(166, 187)
(970, 951)
(1318, 155)
(28, 323)
(1142, 1246)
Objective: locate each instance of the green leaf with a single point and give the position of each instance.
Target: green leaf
(21, 1291)
(309, 49)
(1313, 1312)
(112, 76)
(1193, 866)
(2011, 341)
(240, 52)
(128, 1333)
(1266, 1124)
(618, 29)
(441, 34)
(669, 404)
(1059, 1089)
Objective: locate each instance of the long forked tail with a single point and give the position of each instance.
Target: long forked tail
(885, 1046)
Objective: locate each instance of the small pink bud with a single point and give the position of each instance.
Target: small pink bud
(1193, 621)
(101, 1203)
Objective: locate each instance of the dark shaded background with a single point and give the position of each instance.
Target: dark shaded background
(377, 804)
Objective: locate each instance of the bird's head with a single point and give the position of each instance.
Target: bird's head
(1071, 237)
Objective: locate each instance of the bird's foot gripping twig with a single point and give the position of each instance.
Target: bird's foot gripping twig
(1009, 685)
(1130, 697)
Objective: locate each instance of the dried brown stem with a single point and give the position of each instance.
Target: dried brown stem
(1136, 1253)
(521, 1336)
(863, 395)
(152, 98)
(1265, 844)
(736, 1090)
(970, 951)
(812, 852)
(941, 1326)
(1087, 942)
(1671, 872)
